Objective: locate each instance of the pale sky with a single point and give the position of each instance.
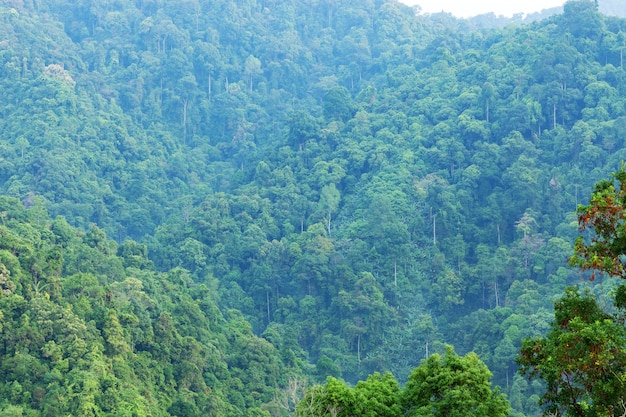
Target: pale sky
(468, 8)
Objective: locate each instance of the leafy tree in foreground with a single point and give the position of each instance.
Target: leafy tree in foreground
(333, 399)
(451, 385)
(582, 359)
(447, 385)
(378, 396)
(606, 215)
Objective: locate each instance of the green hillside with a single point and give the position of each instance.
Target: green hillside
(88, 327)
(287, 190)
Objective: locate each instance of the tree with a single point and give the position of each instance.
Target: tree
(338, 104)
(252, 67)
(488, 92)
(606, 216)
(302, 127)
(378, 396)
(454, 386)
(333, 399)
(22, 143)
(329, 201)
(530, 243)
(582, 359)
(114, 335)
(582, 19)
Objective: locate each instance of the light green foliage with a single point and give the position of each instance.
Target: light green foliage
(333, 399)
(134, 343)
(440, 386)
(451, 385)
(378, 396)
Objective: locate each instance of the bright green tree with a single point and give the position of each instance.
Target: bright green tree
(333, 399)
(378, 396)
(454, 386)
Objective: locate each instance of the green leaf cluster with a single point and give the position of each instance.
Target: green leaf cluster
(442, 385)
(582, 359)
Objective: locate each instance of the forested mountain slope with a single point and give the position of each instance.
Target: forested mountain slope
(363, 183)
(88, 327)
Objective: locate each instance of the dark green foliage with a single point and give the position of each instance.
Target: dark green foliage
(620, 297)
(582, 359)
(338, 104)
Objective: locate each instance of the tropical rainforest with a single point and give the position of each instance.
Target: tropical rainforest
(207, 207)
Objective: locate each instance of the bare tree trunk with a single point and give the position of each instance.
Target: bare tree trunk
(329, 214)
(483, 286)
(495, 286)
(161, 93)
(164, 44)
(209, 87)
(395, 272)
(185, 104)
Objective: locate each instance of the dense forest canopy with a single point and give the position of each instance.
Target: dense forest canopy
(208, 205)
